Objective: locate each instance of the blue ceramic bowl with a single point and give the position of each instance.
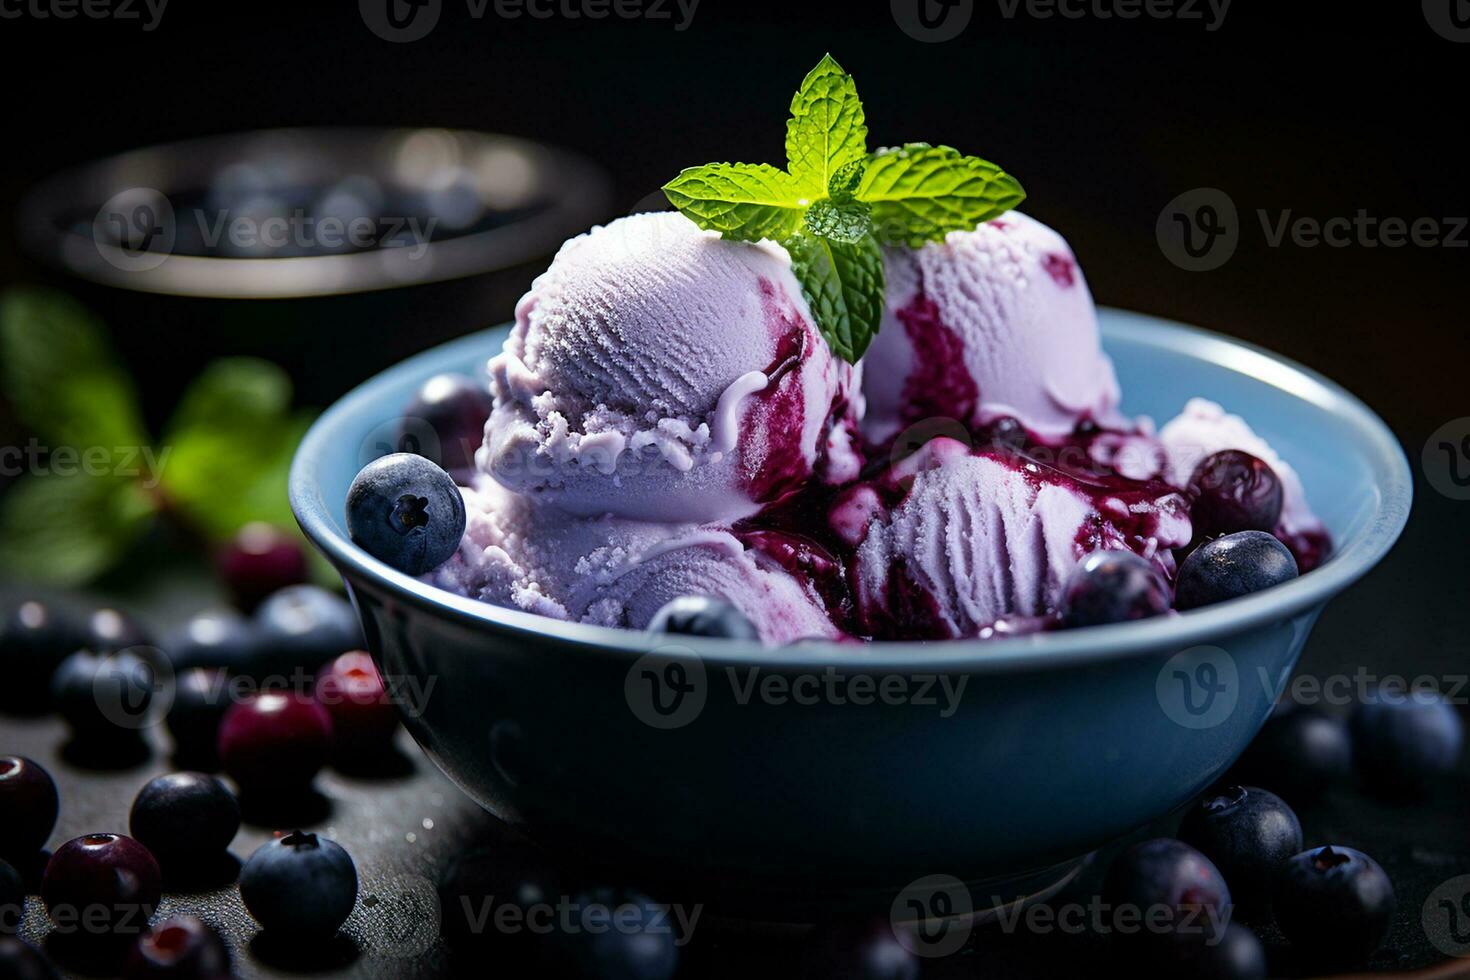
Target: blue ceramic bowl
(849, 770)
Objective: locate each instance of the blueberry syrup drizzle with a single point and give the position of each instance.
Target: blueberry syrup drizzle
(807, 527)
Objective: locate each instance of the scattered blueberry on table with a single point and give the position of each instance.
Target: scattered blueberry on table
(275, 742)
(260, 560)
(215, 638)
(28, 806)
(1114, 587)
(1248, 833)
(1404, 740)
(406, 512)
(1238, 955)
(105, 880)
(1232, 566)
(37, 636)
(201, 696)
(697, 615)
(1172, 875)
(641, 946)
(103, 697)
(300, 885)
(185, 816)
(1334, 903)
(364, 719)
(302, 627)
(182, 947)
(1300, 753)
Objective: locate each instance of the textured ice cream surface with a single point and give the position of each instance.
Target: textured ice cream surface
(989, 323)
(1205, 428)
(617, 572)
(981, 536)
(657, 371)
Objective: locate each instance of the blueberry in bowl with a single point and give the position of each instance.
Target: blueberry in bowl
(674, 418)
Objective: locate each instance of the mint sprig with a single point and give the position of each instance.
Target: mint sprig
(836, 204)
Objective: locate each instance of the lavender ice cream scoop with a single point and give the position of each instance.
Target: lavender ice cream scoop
(988, 323)
(658, 372)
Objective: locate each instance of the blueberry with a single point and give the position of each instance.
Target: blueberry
(302, 627)
(110, 630)
(28, 806)
(12, 900)
(104, 696)
(275, 742)
(1404, 740)
(456, 408)
(406, 512)
(201, 697)
(178, 948)
(299, 885)
(185, 816)
(1234, 491)
(858, 950)
(1248, 833)
(1171, 875)
(1231, 567)
(617, 934)
(34, 638)
(1300, 753)
(363, 716)
(104, 882)
(259, 560)
(694, 615)
(1238, 955)
(215, 638)
(22, 961)
(1334, 903)
(1114, 587)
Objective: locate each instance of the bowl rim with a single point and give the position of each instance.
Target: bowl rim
(1350, 561)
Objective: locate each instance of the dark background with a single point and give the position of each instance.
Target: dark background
(1323, 109)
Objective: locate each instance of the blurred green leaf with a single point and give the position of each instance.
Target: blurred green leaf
(61, 375)
(230, 446)
(66, 529)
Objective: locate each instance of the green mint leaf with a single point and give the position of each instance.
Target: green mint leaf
(920, 192)
(230, 445)
(746, 201)
(66, 529)
(843, 284)
(827, 129)
(845, 223)
(62, 376)
(846, 180)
